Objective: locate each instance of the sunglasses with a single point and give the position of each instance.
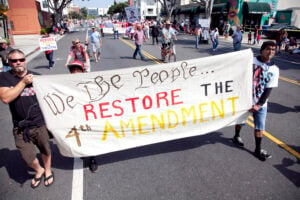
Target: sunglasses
(76, 42)
(16, 60)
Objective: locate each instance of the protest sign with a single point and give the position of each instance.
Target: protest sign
(48, 43)
(132, 14)
(105, 111)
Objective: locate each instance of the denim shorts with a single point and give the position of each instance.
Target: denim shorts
(260, 118)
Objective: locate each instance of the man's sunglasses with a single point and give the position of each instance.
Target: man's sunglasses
(16, 60)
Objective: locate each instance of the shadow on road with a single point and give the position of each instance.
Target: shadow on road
(166, 147)
(18, 170)
(278, 108)
(290, 174)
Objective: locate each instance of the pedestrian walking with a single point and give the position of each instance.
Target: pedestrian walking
(96, 41)
(5, 49)
(29, 127)
(139, 38)
(249, 37)
(197, 33)
(237, 39)
(49, 54)
(215, 38)
(146, 30)
(155, 33)
(255, 34)
(115, 30)
(78, 52)
(265, 78)
(279, 40)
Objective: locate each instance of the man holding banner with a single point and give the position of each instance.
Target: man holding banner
(265, 77)
(29, 127)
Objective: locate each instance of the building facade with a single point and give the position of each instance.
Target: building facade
(147, 9)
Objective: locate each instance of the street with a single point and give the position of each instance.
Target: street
(203, 167)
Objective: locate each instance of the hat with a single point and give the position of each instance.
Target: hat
(168, 22)
(3, 41)
(76, 64)
(93, 27)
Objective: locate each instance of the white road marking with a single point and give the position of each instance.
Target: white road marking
(77, 184)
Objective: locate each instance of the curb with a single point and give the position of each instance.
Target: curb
(32, 52)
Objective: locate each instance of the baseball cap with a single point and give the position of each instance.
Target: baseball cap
(3, 41)
(76, 64)
(168, 22)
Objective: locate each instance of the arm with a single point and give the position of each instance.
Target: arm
(68, 59)
(7, 95)
(262, 100)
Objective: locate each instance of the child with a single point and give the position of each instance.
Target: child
(249, 37)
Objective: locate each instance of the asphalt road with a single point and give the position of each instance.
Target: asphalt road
(202, 167)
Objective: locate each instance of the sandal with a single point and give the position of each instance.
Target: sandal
(39, 180)
(47, 179)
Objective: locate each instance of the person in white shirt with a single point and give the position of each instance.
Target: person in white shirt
(265, 78)
(215, 38)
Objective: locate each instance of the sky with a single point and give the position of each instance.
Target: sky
(95, 3)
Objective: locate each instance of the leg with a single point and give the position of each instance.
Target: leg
(51, 62)
(259, 122)
(135, 51)
(28, 153)
(140, 52)
(237, 139)
(42, 142)
(93, 164)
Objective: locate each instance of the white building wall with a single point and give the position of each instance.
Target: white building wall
(149, 8)
(285, 4)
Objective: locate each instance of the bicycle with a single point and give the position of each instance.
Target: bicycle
(169, 52)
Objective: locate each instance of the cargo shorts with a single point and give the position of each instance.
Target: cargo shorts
(38, 137)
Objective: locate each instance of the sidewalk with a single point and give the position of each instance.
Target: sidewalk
(29, 44)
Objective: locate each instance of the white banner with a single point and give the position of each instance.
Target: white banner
(48, 43)
(105, 111)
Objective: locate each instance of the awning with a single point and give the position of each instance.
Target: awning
(219, 8)
(176, 11)
(192, 10)
(256, 8)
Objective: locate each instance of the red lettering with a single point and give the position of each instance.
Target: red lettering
(132, 102)
(158, 98)
(149, 100)
(89, 110)
(118, 107)
(104, 109)
(174, 96)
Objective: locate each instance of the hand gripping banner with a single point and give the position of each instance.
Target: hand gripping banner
(106, 111)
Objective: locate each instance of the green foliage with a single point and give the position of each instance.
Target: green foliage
(83, 12)
(75, 15)
(45, 30)
(117, 8)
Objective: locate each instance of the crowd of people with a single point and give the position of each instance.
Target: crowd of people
(29, 126)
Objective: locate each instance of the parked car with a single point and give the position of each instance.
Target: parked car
(271, 31)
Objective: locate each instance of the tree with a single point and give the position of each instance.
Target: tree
(117, 8)
(57, 7)
(168, 6)
(208, 4)
(84, 12)
(75, 15)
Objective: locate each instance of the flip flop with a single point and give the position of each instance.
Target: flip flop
(36, 180)
(47, 179)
